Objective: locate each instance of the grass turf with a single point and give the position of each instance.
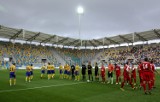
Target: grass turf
(63, 90)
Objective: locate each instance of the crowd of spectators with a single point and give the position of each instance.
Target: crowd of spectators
(24, 54)
(137, 53)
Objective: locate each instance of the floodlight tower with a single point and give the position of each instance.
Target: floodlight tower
(80, 12)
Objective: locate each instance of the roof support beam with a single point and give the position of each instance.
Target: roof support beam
(48, 39)
(92, 43)
(61, 41)
(85, 44)
(112, 41)
(16, 35)
(100, 43)
(140, 37)
(125, 39)
(156, 32)
(77, 44)
(33, 37)
(72, 42)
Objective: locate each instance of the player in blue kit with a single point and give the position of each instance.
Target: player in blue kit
(52, 71)
(12, 70)
(43, 71)
(28, 73)
(49, 67)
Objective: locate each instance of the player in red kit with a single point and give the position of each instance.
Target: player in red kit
(126, 76)
(140, 74)
(118, 74)
(133, 74)
(152, 74)
(146, 75)
(103, 73)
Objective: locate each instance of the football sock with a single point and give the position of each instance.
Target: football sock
(111, 80)
(26, 79)
(14, 81)
(10, 82)
(78, 77)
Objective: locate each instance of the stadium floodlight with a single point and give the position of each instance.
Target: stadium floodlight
(80, 10)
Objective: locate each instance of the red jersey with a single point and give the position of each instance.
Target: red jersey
(133, 75)
(133, 70)
(140, 69)
(102, 70)
(126, 70)
(152, 67)
(117, 69)
(152, 71)
(146, 71)
(110, 68)
(145, 66)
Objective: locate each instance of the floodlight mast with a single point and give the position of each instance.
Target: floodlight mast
(80, 12)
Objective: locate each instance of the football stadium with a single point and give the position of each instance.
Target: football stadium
(79, 51)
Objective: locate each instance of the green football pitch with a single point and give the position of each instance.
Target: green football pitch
(63, 90)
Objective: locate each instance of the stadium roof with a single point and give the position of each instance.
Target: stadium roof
(30, 36)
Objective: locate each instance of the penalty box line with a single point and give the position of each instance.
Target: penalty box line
(1, 91)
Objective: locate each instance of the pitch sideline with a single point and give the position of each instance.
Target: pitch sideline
(1, 91)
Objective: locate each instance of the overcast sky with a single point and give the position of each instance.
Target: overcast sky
(101, 17)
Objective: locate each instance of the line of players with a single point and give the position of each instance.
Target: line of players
(64, 72)
(146, 71)
(50, 72)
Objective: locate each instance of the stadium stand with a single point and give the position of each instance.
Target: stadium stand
(120, 54)
(27, 53)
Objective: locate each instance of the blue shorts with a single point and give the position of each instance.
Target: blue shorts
(31, 72)
(68, 73)
(52, 71)
(43, 71)
(48, 71)
(65, 71)
(60, 71)
(76, 73)
(28, 74)
(12, 75)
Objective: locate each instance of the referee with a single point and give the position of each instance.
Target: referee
(83, 71)
(73, 69)
(89, 71)
(96, 72)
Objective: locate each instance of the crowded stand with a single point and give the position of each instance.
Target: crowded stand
(24, 54)
(120, 54)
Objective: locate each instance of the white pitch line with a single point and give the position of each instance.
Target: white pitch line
(1, 91)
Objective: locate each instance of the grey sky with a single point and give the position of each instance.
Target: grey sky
(101, 17)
